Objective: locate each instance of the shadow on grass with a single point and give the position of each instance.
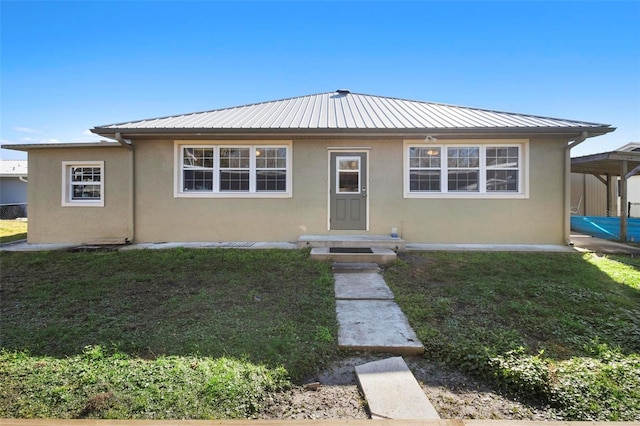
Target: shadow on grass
(268, 307)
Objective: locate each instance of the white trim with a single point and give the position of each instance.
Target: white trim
(359, 171)
(66, 184)
(348, 148)
(216, 144)
(523, 169)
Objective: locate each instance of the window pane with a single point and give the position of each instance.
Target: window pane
(424, 180)
(85, 192)
(198, 180)
(424, 157)
(502, 157)
(234, 180)
(348, 182)
(271, 180)
(349, 165)
(234, 158)
(198, 157)
(463, 157)
(502, 180)
(271, 158)
(85, 174)
(463, 180)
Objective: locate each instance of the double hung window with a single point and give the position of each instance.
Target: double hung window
(461, 170)
(82, 183)
(227, 170)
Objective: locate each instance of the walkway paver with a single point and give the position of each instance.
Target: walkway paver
(368, 317)
(367, 286)
(392, 392)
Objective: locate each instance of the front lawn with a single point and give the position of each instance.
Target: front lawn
(190, 333)
(226, 325)
(562, 329)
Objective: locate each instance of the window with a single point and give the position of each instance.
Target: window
(424, 168)
(463, 170)
(226, 170)
(502, 169)
(82, 183)
(348, 175)
(271, 169)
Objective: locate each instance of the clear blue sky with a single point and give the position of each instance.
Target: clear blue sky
(69, 66)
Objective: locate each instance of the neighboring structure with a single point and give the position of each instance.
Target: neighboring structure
(13, 189)
(589, 195)
(325, 164)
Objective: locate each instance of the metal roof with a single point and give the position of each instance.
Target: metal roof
(343, 110)
(14, 167)
(606, 163)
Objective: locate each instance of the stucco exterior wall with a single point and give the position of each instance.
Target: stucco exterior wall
(50, 222)
(537, 219)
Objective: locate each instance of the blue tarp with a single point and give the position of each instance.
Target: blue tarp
(606, 227)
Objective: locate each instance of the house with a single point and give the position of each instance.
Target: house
(337, 163)
(589, 192)
(13, 189)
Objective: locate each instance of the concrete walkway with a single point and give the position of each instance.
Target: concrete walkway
(368, 317)
(392, 392)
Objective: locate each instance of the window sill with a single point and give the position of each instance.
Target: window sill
(468, 196)
(233, 195)
(83, 204)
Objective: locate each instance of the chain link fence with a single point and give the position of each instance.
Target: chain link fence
(13, 211)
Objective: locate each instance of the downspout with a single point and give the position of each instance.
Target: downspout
(132, 209)
(567, 185)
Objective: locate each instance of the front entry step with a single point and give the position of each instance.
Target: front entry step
(359, 254)
(352, 241)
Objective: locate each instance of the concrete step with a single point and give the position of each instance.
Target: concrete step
(351, 254)
(375, 326)
(392, 392)
(372, 241)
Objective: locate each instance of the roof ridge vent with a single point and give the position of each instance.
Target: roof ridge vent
(343, 91)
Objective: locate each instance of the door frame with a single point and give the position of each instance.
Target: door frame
(347, 151)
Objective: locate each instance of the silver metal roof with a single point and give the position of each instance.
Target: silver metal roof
(14, 167)
(346, 111)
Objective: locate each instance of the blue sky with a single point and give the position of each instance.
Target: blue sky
(68, 66)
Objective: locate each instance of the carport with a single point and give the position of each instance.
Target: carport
(607, 167)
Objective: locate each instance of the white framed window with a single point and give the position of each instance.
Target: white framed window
(348, 175)
(233, 169)
(466, 169)
(83, 183)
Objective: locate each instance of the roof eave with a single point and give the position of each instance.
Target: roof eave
(218, 132)
(32, 146)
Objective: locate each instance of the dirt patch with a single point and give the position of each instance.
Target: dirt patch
(454, 395)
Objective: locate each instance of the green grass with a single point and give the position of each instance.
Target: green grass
(94, 385)
(560, 329)
(12, 230)
(209, 333)
(272, 310)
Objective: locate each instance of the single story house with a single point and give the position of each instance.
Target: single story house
(13, 188)
(337, 163)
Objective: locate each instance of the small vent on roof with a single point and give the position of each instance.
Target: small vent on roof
(343, 91)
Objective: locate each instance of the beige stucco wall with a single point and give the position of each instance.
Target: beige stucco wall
(50, 222)
(535, 220)
(160, 216)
